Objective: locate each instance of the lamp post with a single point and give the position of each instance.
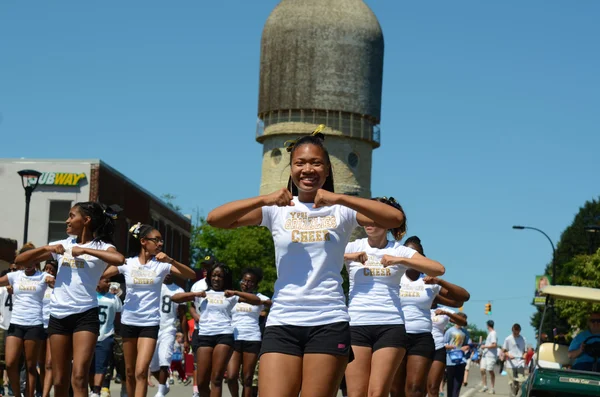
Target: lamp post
(30, 180)
(551, 243)
(592, 230)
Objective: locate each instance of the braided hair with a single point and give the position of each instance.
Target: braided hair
(400, 231)
(317, 139)
(103, 219)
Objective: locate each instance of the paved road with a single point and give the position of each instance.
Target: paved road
(471, 390)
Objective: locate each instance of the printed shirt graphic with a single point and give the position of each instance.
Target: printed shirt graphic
(28, 292)
(374, 290)
(416, 298)
(77, 278)
(309, 255)
(144, 283)
(198, 286)
(46, 306)
(439, 324)
(168, 309)
(458, 338)
(515, 347)
(215, 313)
(6, 305)
(108, 307)
(492, 352)
(245, 320)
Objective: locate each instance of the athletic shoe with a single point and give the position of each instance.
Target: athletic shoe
(483, 389)
(196, 394)
(94, 395)
(105, 392)
(117, 379)
(492, 391)
(187, 381)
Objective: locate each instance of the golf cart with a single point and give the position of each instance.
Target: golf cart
(551, 374)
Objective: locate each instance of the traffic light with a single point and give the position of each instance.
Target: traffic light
(488, 309)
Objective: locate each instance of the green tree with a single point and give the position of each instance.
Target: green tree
(574, 241)
(586, 273)
(476, 332)
(169, 199)
(250, 246)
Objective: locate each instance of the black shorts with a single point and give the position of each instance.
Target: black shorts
(214, 340)
(298, 340)
(420, 345)
(194, 342)
(379, 336)
(247, 346)
(26, 332)
(440, 355)
(134, 331)
(86, 321)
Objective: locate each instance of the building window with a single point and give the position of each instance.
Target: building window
(275, 156)
(353, 159)
(59, 211)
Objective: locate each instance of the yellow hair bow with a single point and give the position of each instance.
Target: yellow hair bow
(318, 132)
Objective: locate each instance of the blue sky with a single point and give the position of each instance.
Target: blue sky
(490, 115)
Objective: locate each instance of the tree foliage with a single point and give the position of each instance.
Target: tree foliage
(250, 246)
(476, 332)
(574, 241)
(586, 273)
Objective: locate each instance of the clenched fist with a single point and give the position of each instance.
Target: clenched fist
(280, 198)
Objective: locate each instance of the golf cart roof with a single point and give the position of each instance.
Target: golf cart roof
(570, 292)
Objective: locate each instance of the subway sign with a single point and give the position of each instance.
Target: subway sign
(59, 179)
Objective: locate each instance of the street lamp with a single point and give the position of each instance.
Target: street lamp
(592, 230)
(551, 243)
(30, 180)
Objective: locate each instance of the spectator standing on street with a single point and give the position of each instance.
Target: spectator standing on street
(514, 349)
(489, 357)
(457, 344)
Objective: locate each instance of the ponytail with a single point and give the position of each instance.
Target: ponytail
(103, 219)
(136, 233)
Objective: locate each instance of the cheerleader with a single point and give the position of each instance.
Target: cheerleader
(375, 266)
(26, 330)
(215, 330)
(73, 327)
(416, 296)
(307, 336)
(45, 358)
(144, 275)
(247, 335)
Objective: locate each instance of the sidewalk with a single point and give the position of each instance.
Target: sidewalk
(474, 385)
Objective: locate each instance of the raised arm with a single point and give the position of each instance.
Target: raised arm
(456, 319)
(418, 262)
(451, 291)
(244, 297)
(448, 302)
(111, 256)
(369, 212)
(178, 269)
(187, 296)
(110, 272)
(38, 254)
(4, 281)
(247, 212)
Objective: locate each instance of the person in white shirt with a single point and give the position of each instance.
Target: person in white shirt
(26, 330)
(215, 329)
(45, 356)
(110, 307)
(489, 358)
(375, 267)
(515, 349)
(73, 327)
(246, 332)
(417, 295)
(171, 313)
(5, 315)
(440, 318)
(307, 336)
(144, 275)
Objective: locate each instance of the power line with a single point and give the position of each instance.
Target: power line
(500, 299)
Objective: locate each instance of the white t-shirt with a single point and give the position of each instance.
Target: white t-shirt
(438, 329)
(168, 309)
(77, 278)
(28, 293)
(374, 289)
(493, 352)
(108, 307)
(46, 306)
(516, 347)
(215, 313)
(245, 320)
(416, 298)
(6, 304)
(309, 255)
(198, 286)
(144, 283)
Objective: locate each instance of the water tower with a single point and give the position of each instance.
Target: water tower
(321, 63)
